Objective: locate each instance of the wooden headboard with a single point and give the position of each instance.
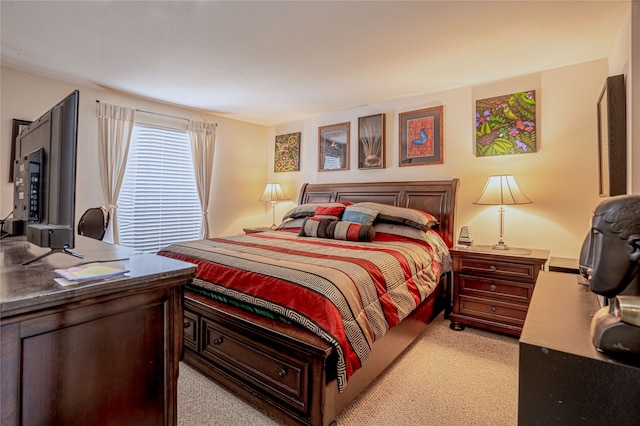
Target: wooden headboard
(437, 197)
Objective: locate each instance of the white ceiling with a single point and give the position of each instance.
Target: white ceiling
(270, 62)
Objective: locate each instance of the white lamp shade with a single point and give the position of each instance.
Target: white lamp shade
(502, 190)
(273, 192)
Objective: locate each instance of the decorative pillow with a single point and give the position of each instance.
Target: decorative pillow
(410, 217)
(333, 212)
(350, 231)
(316, 227)
(306, 210)
(291, 224)
(359, 214)
(399, 230)
(338, 230)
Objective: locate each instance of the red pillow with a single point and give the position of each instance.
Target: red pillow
(329, 212)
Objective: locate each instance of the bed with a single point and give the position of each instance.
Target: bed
(262, 316)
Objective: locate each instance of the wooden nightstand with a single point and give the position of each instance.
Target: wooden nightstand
(492, 288)
(256, 229)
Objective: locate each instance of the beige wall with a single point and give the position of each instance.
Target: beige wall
(624, 59)
(633, 115)
(561, 178)
(239, 171)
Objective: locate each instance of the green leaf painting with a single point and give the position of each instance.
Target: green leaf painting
(287, 153)
(506, 124)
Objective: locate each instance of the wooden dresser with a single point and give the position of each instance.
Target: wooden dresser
(99, 352)
(563, 378)
(492, 289)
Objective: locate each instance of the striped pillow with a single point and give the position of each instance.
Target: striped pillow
(350, 231)
(315, 227)
(406, 216)
(338, 230)
(292, 225)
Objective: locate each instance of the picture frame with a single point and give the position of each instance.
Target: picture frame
(506, 125)
(371, 142)
(17, 127)
(421, 138)
(612, 138)
(287, 153)
(333, 147)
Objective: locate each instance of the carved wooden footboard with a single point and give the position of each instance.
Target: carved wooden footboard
(283, 369)
(286, 370)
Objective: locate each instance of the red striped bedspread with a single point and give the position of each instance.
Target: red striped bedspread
(348, 293)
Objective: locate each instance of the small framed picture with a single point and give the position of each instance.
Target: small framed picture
(287, 153)
(18, 127)
(333, 147)
(371, 142)
(421, 136)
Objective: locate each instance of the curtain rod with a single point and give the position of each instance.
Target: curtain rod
(165, 115)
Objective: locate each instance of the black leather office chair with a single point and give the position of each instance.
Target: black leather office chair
(94, 223)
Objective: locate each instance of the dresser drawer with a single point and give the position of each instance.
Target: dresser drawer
(191, 330)
(495, 289)
(510, 270)
(284, 374)
(494, 310)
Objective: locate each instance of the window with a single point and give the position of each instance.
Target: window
(158, 203)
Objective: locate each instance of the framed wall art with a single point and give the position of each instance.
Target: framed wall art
(333, 147)
(612, 137)
(18, 126)
(371, 141)
(287, 153)
(421, 136)
(506, 124)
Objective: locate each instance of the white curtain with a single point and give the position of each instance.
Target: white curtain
(115, 125)
(203, 141)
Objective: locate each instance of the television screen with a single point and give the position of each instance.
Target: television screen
(45, 176)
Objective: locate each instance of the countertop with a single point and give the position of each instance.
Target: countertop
(31, 287)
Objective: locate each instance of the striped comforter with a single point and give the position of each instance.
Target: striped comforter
(348, 293)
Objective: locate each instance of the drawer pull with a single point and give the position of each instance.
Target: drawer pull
(492, 287)
(493, 309)
(492, 268)
(218, 341)
(282, 373)
(187, 325)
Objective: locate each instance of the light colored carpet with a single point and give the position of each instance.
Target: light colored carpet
(444, 378)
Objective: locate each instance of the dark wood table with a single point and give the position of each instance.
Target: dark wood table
(98, 352)
(564, 379)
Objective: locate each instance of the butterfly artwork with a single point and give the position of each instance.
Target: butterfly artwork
(423, 138)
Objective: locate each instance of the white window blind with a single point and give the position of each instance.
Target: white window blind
(158, 203)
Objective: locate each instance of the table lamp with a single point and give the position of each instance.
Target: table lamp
(501, 190)
(273, 193)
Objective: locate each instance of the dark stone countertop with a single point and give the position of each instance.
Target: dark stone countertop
(31, 287)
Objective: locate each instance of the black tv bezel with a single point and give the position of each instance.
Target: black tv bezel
(55, 228)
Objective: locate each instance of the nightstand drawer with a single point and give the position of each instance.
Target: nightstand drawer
(508, 270)
(495, 289)
(498, 311)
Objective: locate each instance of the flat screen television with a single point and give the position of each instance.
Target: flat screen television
(45, 177)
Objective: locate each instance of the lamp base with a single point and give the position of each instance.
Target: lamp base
(500, 246)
